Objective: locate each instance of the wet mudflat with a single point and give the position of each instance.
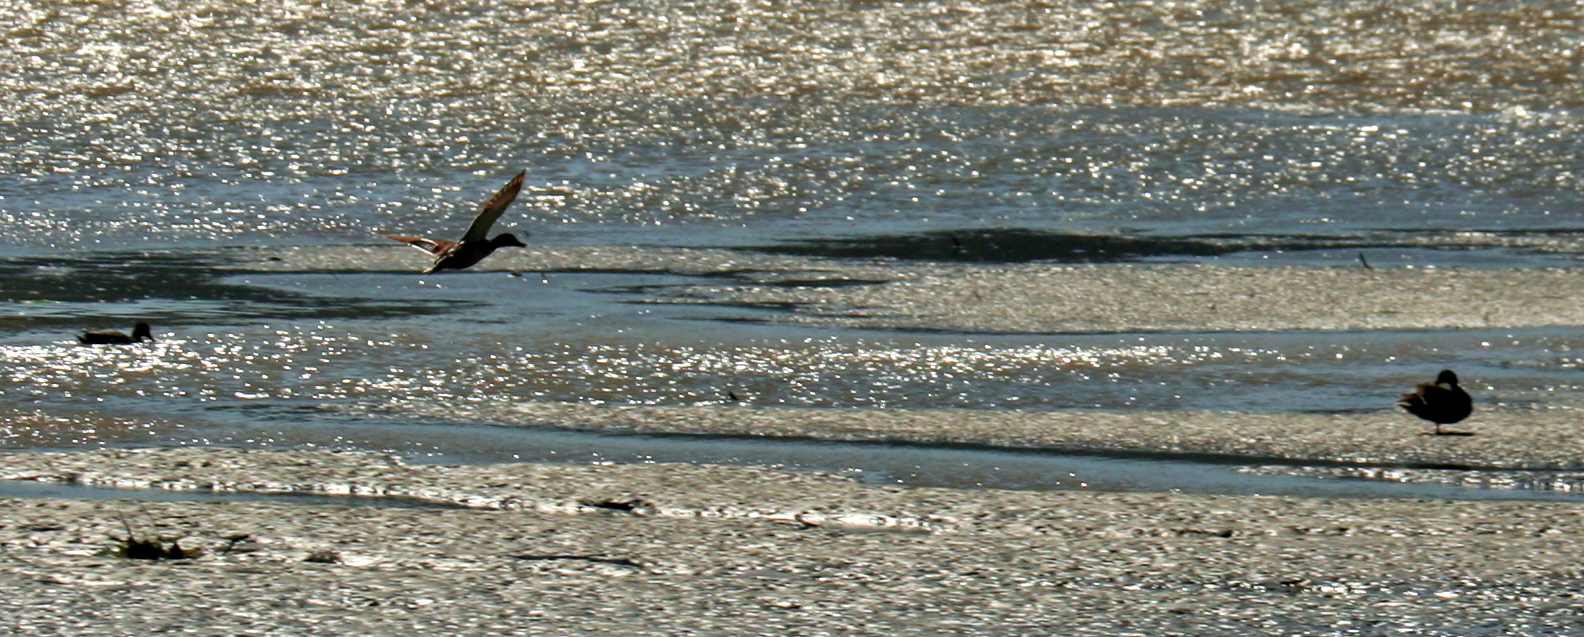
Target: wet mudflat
(752, 543)
(668, 549)
(914, 318)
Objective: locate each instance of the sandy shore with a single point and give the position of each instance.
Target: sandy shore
(669, 549)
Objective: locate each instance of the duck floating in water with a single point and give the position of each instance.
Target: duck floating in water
(1441, 402)
(474, 246)
(140, 333)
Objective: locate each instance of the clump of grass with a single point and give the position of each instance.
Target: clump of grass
(133, 547)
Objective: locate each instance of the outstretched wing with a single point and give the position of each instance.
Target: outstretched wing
(493, 209)
(434, 247)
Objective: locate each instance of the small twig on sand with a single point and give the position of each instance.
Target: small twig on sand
(595, 559)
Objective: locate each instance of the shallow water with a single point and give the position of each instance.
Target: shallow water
(157, 158)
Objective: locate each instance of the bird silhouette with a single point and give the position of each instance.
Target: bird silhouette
(1442, 402)
(140, 333)
(474, 246)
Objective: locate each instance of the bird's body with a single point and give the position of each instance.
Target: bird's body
(474, 246)
(140, 333)
(1442, 402)
(457, 255)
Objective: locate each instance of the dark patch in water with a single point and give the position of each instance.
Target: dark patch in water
(1023, 245)
(1000, 245)
(182, 278)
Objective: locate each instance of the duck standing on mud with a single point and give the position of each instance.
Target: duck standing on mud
(474, 246)
(1441, 402)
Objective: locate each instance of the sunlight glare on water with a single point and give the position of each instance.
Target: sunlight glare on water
(380, 371)
(213, 121)
(703, 175)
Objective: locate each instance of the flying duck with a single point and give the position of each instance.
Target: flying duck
(1441, 402)
(474, 246)
(140, 333)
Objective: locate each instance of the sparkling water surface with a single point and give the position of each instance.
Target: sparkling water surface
(156, 153)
